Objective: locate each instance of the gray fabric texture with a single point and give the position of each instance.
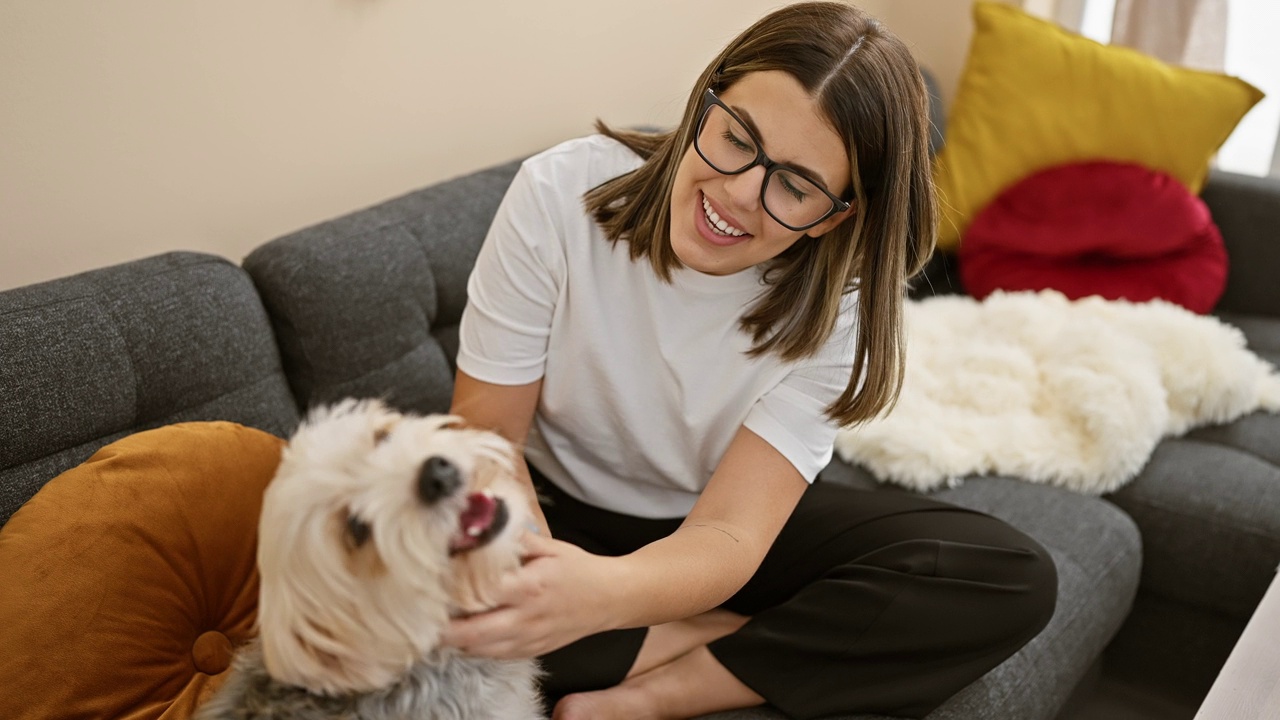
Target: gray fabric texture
(368, 305)
(1247, 211)
(1208, 515)
(1207, 503)
(1098, 554)
(87, 359)
(1261, 331)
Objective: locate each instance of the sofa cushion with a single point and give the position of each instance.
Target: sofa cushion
(90, 358)
(1097, 551)
(368, 304)
(1206, 504)
(129, 579)
(1116, 230)
(1208, 513)
(1033, 95)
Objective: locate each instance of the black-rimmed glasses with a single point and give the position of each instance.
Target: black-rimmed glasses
(725, 142)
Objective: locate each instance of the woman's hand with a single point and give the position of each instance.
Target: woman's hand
(560, 594)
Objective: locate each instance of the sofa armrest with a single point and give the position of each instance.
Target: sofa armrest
(1247, 210)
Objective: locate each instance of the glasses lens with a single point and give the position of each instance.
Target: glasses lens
(794, 200)
(723, 142)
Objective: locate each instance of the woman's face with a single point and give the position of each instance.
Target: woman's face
(794, 131)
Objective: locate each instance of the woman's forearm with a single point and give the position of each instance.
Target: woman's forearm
(721, 543)
(694, 569)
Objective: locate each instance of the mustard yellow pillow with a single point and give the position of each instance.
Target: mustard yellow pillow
(1033, 95)
(130, 579)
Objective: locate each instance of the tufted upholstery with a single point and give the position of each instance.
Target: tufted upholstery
(369, 304)
(88, 359)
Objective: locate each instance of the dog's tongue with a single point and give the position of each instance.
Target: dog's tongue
(474, 521)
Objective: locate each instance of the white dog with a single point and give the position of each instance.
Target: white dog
(377, 529)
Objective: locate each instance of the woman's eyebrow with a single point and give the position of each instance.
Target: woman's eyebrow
(751, 125)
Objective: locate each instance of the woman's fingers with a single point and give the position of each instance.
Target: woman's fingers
(549, 602)
(475, 634)
(534, 545)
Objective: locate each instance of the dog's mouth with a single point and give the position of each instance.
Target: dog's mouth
(484, 517)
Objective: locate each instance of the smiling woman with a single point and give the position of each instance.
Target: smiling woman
(673, 326)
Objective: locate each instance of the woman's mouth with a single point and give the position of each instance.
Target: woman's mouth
(714, 228)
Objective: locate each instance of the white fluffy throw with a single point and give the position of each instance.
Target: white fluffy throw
(1070, 393)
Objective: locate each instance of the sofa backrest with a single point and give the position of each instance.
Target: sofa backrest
(90, 358)
(368, 304)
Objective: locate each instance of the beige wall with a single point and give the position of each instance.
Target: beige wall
(134, 127)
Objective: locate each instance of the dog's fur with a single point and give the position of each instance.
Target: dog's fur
(362, 567)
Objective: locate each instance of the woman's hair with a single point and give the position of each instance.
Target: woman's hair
(872, 92)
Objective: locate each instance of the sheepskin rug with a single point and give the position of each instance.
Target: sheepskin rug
(1069, 393)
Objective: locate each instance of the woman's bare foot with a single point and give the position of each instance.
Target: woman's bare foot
(668, 641)
(601, 705)
(693, 684)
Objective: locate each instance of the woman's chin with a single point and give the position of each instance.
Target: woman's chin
(698, 253)
(703, 260)
(691, 255)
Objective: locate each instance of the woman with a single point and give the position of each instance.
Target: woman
(674, 326)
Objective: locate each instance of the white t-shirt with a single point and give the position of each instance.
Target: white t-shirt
(645, 383)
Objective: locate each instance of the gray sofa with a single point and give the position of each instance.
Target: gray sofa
(1156, 581)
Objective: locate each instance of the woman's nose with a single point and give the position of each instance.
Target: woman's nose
(744, 189)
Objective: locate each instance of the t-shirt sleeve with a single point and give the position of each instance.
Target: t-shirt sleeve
(792, 415)
(513, 288)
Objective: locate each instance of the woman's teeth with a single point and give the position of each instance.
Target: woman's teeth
(720, 226)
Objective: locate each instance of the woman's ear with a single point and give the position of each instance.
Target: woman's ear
(830, 223)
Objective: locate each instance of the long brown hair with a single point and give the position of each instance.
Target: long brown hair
(871, 89)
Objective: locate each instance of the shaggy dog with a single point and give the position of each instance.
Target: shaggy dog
(377, 529)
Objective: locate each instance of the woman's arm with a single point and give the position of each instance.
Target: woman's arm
(564, 593)
(507, 410)
(723, 540)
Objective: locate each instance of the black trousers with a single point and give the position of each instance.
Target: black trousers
(869, 601)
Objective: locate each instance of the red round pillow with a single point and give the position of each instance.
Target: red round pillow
(1117, 230)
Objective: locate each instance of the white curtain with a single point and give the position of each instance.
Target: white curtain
(1191, 33)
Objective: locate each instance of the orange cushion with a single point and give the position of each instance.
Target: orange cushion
(128, 580)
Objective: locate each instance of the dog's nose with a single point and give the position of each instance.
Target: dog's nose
(438, 479)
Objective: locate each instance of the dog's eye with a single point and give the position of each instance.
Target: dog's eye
(380, 435)
(358, 532)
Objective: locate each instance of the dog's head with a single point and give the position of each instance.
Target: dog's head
(377, 528)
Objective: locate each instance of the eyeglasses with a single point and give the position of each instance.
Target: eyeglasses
(789, 196)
